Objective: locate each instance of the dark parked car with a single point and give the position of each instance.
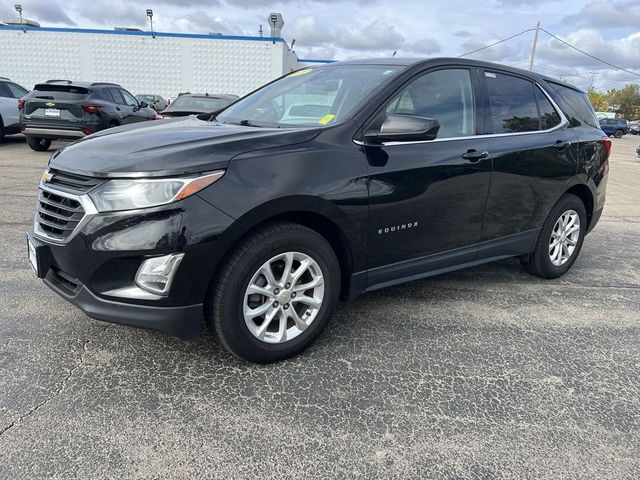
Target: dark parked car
(10, 92)
(260, 219)
(194, 104)
(614, 126)
(60, 109)
(154, 101)
(634, 127)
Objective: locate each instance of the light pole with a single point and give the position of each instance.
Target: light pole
(150, 15)
(18, 8)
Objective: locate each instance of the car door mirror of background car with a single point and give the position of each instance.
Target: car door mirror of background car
(144, 104)
(404, 128)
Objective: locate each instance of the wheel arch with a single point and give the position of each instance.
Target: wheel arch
(584, 193)
(315, 213)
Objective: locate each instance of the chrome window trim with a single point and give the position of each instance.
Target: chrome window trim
(563, 123)
(89, 208)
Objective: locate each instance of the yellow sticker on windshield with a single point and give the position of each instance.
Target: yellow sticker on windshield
(299, 73)
(326, 119)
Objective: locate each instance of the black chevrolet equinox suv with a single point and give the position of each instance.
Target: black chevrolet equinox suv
(323, 184)
(61, 109)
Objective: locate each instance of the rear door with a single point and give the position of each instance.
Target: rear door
(534, 157)
(124, 111)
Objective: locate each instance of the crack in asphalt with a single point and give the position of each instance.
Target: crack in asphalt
(58, 392)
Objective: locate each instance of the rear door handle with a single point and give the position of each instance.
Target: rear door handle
(474, 155)
(560, 144)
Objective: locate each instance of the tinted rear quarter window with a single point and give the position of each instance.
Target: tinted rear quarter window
(4, 91)
(580, 109)
(549, 117)
(60, 92)
(512, 102)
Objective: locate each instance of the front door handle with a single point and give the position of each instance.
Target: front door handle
(474, 155)
(561, 144)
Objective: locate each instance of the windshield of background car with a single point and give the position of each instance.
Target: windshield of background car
(207, 104)
(311, 96)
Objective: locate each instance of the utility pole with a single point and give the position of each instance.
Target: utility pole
(533, 47)
(593, 77)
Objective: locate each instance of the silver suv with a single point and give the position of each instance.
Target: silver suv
(10, 92)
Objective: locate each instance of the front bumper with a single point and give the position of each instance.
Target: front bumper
(182, 321)
(95, 269)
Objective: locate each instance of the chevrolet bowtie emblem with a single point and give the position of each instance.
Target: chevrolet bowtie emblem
(50, 104)
(46, 176)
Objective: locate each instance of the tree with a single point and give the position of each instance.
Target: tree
(599, 100)
(627, 100)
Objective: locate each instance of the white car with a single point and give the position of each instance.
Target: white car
(10, 92)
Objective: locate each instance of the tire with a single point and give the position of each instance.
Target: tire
(39, 144)
(112, 124)
(1, 130)
(539, 262)
(229, 298)
(618, 133)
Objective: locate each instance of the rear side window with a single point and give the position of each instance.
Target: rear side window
(513, 103)
(117, 97)
(549, 117)
(16, 91)
(4, 91)
(103, 95)
(580, 109)
(60, 92)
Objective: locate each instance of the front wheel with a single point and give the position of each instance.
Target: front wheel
(39, 144)
(560, 239)
(618, 133)
(275, 294)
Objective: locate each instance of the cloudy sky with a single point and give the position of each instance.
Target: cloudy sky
(343, 29)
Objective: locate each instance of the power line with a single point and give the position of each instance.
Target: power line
(589, 55)
(496, 43)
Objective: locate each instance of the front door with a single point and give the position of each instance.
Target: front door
(427, 198)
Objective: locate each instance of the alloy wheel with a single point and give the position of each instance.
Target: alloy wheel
(564, 238)
(283, 297)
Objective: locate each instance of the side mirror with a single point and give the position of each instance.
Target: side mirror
(144, 104)
(404, 128)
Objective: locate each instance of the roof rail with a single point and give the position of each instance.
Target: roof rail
(93, 84)
(58, 80)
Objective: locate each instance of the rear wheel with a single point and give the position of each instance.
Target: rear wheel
(560, 239)
(112, 124)
(275, 294)
(618, 134)
(39, 144)
(1, 130)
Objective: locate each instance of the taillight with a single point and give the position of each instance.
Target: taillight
(90, 107)
(86, 131)
(160, 117)
(20, 104)
(606, 146)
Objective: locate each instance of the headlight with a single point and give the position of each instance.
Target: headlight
(142, 193)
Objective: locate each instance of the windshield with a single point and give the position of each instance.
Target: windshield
(206, 104)
(146, 98)
(311, 96)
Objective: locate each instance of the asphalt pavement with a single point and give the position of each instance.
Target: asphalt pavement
(484, 373)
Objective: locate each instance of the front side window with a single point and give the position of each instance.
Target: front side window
(512, 102)
(129, 99)
(311, 96)
(444, 95)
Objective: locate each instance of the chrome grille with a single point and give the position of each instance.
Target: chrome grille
(72, 182)
(57, 216)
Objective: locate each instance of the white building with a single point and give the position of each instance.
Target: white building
(163, 64)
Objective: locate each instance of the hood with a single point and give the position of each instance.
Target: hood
(169, 147)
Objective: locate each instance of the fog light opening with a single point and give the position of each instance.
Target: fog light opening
(156, 274)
